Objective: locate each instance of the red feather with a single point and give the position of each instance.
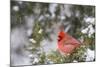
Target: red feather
(66, 43)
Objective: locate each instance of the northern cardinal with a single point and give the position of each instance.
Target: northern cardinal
(66, 43)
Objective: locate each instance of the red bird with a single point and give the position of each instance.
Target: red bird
(66, 43)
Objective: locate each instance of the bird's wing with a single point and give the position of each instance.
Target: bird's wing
(71, 40)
